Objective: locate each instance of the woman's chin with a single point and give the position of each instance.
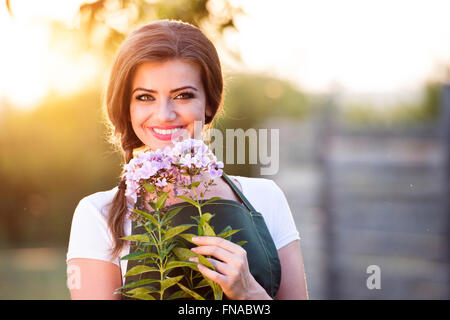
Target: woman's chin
(159, 145)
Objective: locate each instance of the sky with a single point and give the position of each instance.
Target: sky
(361, 48)
(371, 48)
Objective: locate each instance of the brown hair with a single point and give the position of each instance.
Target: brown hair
(157, 41)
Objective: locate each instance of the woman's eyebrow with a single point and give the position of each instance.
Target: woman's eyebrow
(171, 91)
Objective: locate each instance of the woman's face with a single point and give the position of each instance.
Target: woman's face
(166, 96)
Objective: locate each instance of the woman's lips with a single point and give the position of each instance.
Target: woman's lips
(165, 135)
(167, 127)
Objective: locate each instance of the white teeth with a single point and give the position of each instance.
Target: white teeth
(170, 131)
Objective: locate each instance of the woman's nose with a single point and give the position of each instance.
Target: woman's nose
(165, 111)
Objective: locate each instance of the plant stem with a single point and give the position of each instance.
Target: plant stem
(199, 208)
(161, 267)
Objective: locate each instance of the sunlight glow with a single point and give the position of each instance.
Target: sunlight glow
(363, 46)
(30, 66)
(359, 46)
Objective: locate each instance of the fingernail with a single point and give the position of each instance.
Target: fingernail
(195, 238)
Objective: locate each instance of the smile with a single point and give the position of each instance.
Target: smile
(165, 134)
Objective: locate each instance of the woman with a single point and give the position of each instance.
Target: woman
(165, 77)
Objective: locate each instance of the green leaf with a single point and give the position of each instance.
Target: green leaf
(139, 256)
(227, 228)
(184, 254)
(172, 232)
(218, 292)
(195, 204)
(178, 295)
(147, 216)
(206, 217)
(161, 200)
(190, 292)
(146, 289)
(138, 283)
(194, 185)
(228, 233)
(188, 236)
(137, 237)
(205, 261)
(241, 243)
(166, 250)
(170, 214)
(211, 200)
(149, 187)
(197, 219)
(176, 264)
(202, 283)
(208, 230)
(140, 293)
(139, 270)
(166, 283)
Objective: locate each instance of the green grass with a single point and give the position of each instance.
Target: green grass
(33, 273)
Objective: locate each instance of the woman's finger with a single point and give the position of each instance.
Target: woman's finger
(212, 275)
(219, 266)
(220, 242)
(216, 252)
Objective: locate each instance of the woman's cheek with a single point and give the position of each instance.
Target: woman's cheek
(199, 111)
(139, 114)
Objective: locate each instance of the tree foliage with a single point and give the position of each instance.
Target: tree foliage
(107, 22)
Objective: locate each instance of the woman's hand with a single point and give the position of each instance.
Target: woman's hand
(231, 268)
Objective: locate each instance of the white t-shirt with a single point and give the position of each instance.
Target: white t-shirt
(90, 236)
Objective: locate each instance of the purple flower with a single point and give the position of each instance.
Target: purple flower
(148, 169)
(159, 166)
(214, 170)
(161, 183)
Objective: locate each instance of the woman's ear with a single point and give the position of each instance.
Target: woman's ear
(208, 111)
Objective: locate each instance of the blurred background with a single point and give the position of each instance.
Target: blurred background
(358, 89)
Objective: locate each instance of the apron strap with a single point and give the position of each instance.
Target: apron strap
(238, 192)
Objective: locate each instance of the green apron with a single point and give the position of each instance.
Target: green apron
(262, 254)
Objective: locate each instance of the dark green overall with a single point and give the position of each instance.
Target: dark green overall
(262, 254)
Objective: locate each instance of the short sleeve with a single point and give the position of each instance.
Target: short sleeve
(89, 234)
(283, 224)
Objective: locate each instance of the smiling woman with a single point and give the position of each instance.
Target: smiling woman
(167, 77)
(167, 96)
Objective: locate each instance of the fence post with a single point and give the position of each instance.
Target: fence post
(446, 142)
(326, 196)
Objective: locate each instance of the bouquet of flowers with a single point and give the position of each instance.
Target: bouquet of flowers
(186, 172)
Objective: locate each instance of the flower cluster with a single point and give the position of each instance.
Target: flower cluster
(189, 167)
(187, 162)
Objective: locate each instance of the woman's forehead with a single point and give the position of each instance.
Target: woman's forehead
(160, 75)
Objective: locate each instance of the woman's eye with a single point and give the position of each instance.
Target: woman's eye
(144, 97)
(185, 95)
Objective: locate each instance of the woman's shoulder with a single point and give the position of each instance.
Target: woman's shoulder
(269, 199)
(99, 201)
(261, 192)
(256, 185)
(89, 235)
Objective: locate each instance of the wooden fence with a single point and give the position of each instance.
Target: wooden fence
(371, 197)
